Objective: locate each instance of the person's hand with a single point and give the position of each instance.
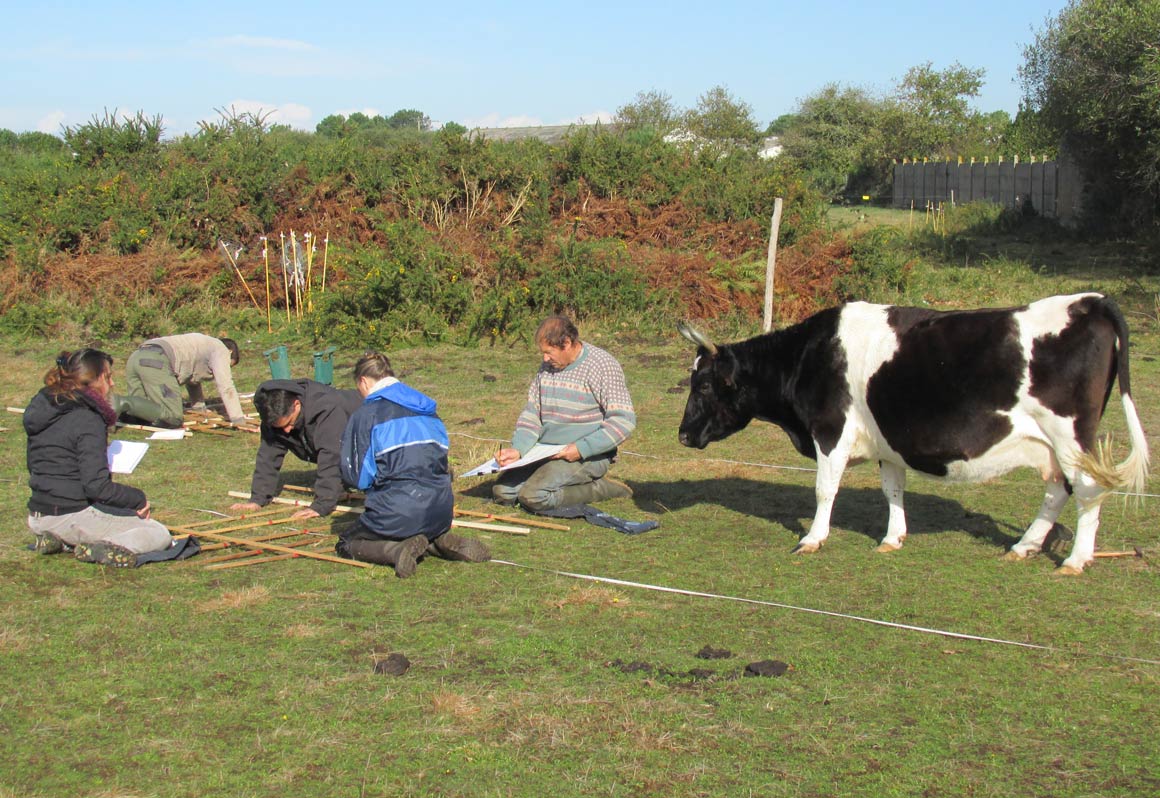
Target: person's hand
(245, 507)
(569, 453)
(144, 511)
(507, 455)
(305, 512)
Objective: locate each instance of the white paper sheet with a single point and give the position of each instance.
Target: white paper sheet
(541, 451)
(125, 455)
(167, 435)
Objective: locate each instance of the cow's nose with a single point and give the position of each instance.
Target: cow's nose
(683, 437)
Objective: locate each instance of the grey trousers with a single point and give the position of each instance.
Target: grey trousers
(541, 486)
(90, 525)
(148, 375)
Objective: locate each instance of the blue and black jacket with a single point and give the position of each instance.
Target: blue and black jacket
(395, 450)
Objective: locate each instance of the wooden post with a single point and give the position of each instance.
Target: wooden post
(771, 260)
(283, 549)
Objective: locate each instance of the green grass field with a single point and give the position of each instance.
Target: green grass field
(173, 680)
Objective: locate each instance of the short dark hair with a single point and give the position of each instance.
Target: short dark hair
(374, 365)
(235, 353)
(274, 403)
(556, 330)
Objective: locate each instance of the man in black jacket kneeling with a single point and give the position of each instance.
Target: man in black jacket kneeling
(307, 418)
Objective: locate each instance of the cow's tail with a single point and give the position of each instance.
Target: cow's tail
(1131, 474)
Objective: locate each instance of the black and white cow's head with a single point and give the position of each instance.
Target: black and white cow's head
(718, 404)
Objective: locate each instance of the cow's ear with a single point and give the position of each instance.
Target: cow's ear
(727, 368)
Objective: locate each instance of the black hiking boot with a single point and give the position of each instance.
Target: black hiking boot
(48, 543)
(407, 555)
(108, 554)
(453, 547)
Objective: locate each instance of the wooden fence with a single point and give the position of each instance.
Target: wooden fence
(1052, 188)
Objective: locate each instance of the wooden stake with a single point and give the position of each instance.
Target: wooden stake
(285, 278)
(325, 249)
(771, 261)
(342, 508)
(254, 544)
(514, 519)
(229, 518)
(266, 260)
(238, 271)
(238, 555)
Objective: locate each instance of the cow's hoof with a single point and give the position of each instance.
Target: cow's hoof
(1014, 556)
(807, 548)
(886, 548)
(1068, 570)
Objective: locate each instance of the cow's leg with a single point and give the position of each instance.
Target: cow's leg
(893, 486)
(1032, 540)
(830, 468)
(1088, 497)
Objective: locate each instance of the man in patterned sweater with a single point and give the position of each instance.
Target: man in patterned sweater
(577, 399)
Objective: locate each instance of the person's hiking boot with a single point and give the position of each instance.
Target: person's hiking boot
(453, 547)
(48, 543)
(598, 490)
(108, 554)
(407, 555)
(606, 488)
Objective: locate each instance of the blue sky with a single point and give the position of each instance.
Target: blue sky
(482, 64)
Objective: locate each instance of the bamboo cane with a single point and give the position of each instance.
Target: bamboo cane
(186, 531)
(325, 249)
(341, 508)
(284, 549)
(297, 283)
(213, 521)
(514, 519)
(285, 278)
(252, 561)
(309, 266)
(238, 271)
(241, 555)
(266, 260)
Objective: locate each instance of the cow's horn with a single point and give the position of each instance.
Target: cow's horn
(696, 337)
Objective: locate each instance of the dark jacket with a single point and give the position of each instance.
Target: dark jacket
(395, 449)
(315, 439)
(67, 455)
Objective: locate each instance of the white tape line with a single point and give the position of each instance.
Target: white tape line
(875, 621)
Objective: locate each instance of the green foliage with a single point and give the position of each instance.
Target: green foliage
(651, 111)
(410, 290)
(30, 320)
(882, 266)
(721, 118)
(1093, 78)
(109, 139)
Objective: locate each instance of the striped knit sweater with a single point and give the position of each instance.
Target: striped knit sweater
(585, 403)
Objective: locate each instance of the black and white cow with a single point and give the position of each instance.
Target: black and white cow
(964, 395)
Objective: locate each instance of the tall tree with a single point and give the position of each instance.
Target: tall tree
(1093, 77)
(720, 117)
(652, 110)
(835, 137)
(932, 116)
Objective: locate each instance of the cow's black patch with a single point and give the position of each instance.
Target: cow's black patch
(1072, 373)
(937, 400)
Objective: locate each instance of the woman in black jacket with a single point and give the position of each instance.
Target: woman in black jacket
(75, 504)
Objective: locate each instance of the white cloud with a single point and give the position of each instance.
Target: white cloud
(366, 111)
(292, 114)
(239, 40)
(604, 117)
(495, 120)
(50, 123)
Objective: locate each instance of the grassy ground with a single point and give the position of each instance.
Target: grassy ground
(171, 680)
